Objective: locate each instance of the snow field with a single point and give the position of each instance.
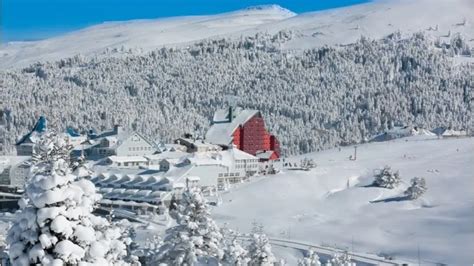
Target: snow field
(318, 207)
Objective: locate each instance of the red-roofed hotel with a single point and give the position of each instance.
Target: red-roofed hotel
(246, 130)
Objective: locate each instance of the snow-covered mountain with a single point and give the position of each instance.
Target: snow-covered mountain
(140, 34)
(441, 18)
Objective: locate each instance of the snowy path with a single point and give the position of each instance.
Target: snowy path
(328, 251)
(359, 259)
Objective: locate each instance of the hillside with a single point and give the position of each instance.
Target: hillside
(138, 35)
(438, 18)
(338, 26)
(312, 99)
(331, 205)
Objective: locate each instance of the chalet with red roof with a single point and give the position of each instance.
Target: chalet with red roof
(244, 129)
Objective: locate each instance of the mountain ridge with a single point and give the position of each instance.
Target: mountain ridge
(441, 19)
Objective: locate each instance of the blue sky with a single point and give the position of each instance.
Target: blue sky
(38, 19)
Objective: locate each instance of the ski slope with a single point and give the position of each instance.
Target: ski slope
(331, 204)
(440, 18)
(139, 35)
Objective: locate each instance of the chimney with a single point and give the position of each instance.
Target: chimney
(118, 129)
(230, 114)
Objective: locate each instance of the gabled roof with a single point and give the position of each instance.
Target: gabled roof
(30, 137)
(221, 130)
(120, 137)
(138, 134)
(72, 132)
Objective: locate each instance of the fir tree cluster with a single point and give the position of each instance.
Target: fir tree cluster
(311, 99)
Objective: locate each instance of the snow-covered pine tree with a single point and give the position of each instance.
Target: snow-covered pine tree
(310, 259)
(196, 239)
(386, 178)
(417, 188)
(358, 105)
(234, 252)
(260, 251)
(54, 225)
(129, 235)
(341, 259)
(151, 249)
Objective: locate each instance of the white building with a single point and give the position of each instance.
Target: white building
(25, 145)
(239, 161)
(14, 171)
(127, 161)
(166, 164)
(216, 170)
(120, 143)
(135, 192)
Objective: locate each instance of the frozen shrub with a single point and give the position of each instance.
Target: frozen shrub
(387, 178)
(311, 259)
(417, 188)
(341, 259)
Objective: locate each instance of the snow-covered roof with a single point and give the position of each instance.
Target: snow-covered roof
(205, 160)
(136, 180)
(111, 138)
(193, 178)
(240, 155)
(171, 147)
(200, 143)
(104, 190)
(264, 154)
(124, 179)
(127, 203)
(110, 180)
(13, 160)
(221, 115)
(172, 161)
(221, 130)
(179, 185)
(229, 157)
(451, 132)
(167, 155)
(143, 193)
(125, 159)
(118, 135)
(153, 182)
